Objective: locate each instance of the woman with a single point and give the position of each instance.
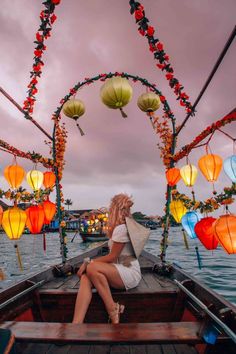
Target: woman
(119, 269)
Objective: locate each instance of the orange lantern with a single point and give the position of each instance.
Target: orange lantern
(49, 179)
(1, 214)
(189, 174)
(205, 233)
(35, 220)
(173, 176)
(13, 222)
(14, 175)
(49, 211)
(210, 165)
(225, 231)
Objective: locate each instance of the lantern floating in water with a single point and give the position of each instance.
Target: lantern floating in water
(177, 209)
(74, 109)
(189, 221)
(149, 102)
(225, 231)
(173, 176)
(205, 233)
(49, 179)
(189, 174)
(13, 222)
(230, 167)
(116, 93)
(35, 179)
(35, 218)
(49, 211)
(14, 175)
(210, 165)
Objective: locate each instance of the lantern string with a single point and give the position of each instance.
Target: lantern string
(80, 129)
(150, 114)
(124, 115)
(185, 239)
(229, 136)
(18, 257)
(199, 260)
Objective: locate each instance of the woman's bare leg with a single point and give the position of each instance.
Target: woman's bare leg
(83, 299)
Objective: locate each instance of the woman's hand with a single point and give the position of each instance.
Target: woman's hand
(82, 270)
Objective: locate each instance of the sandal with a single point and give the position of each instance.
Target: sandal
(114, 316)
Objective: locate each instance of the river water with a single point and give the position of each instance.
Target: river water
(218, 270)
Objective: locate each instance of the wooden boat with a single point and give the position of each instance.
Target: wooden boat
(169, 312)
(93, 237)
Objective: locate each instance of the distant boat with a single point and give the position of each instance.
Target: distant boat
(93, 237)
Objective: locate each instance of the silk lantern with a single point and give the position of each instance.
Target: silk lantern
(49, 211)
(205, 233)
(13, 222)
(210, 165)
(14, 175)
(189, 174)
(49, 179)
(149, 102)
(230, 167)
(116, 93)
(35, 179)
(74, 109)
(225, 231)
(173, 176)
(177, 210)
(189, 221)
(35, 218)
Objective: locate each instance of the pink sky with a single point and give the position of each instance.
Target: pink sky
(92, 37)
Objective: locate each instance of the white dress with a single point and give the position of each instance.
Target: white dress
(130, 275)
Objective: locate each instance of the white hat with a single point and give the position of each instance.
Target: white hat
(138, 235)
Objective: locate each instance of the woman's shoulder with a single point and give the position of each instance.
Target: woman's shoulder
(121, 227)
(120, 233)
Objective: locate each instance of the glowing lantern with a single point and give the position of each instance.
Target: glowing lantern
(1, 214)
(230, 167)
(149, 102)
(116, 93)
(189, 221)
(74, 109)
(35, 179)
(225, 231)
(13, 222)
(205, 233)
(49, 211)
(173, 176)
(189, 174)
(210, 166)
(35, 220)
(14, 175)
(177, 209)
(49, 179)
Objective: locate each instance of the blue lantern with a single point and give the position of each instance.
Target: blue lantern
(189, 221)
(230, 167)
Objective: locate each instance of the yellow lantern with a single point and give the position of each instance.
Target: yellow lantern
(14, 175)
(35, 179)
(116, 93)
(13, 222)
(149, 102)
(210, 166)
(177, 210)
(74, 109)
(189, 174)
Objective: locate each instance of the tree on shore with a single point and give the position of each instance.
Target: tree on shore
(68, 202)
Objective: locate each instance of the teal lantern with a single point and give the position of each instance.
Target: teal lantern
(230, 167)
(189, 221)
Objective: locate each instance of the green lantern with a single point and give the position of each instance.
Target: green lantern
(74, 109)
(149, 102)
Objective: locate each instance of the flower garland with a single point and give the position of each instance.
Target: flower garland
(157, 48)
(21, 195)
(47, 18)
(60, 146)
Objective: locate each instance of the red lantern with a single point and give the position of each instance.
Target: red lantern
(210, 166)
(173, 176)
(1, 214)
(205, 233)
(49, 179)
(49, 211)
(225, 231)
(35, 220)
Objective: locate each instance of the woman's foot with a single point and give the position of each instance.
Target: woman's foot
(114, 315)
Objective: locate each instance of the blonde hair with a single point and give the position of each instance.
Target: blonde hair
(119, 209)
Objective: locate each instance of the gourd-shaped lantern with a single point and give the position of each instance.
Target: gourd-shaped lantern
(35, 218)
(49, 211)
(35, 179)
(210, 165)
(189, 221)
(177, 210)
(14, 175)
(205, 233)
(149, 102)
(189, 174)
(49, 179)
(13, 222)
(1, 214)
(74, 109)
(116, 93)
(225, 231)
(173, 176)
(230, 167)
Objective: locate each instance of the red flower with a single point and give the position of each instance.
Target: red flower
(166, 57)
(169, 76)
(162, 98)
(39, 37)
(182, 103)
(138, 15)
(56, 2)
(53, 18)
(141, 31)
(160, 46)
(37, 68)
(150, 31)
(38, 53)
(152, 48)
(160, 66)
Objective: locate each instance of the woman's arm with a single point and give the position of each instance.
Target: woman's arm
(112, 257)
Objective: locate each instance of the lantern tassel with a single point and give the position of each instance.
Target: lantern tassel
(199, 260)
(44, 242)
(185, 239)
(18, 257)
(124, 115)
(2, 275)
(80, 129)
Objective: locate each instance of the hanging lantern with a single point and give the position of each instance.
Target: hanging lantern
(49, 211)
(149, 102)
(14, 175)
(210, 165)
(189, 221)
(35, 179)
(173, 176)
(205, 233)
(230, 167)
(13, 222)
(225, 231)
(116, 93)
(35, 218)
(177, 210)
(189, 174)
(49, 179)
(1, 215)
(74, 109)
